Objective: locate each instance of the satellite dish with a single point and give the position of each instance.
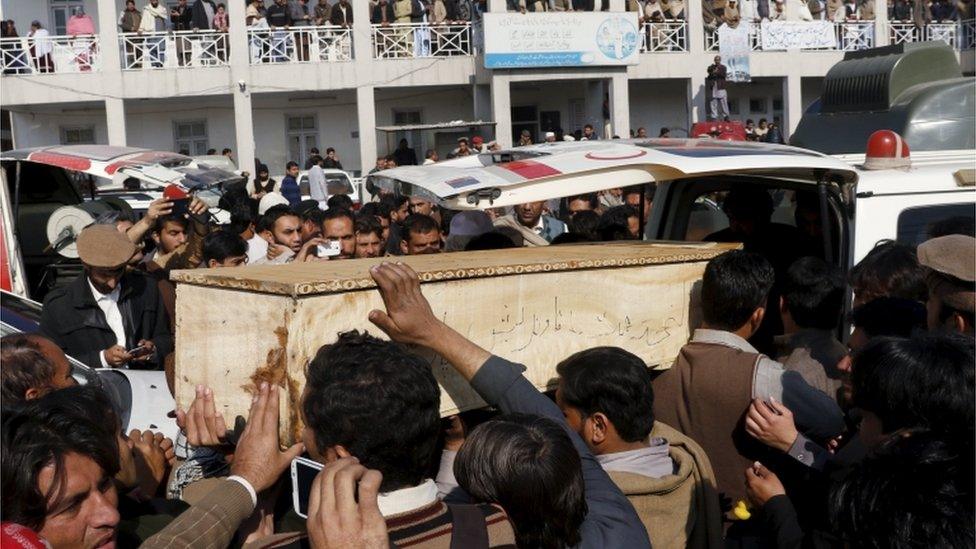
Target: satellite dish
(66, 223)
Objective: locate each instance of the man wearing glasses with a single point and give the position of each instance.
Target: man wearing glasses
(107, 317)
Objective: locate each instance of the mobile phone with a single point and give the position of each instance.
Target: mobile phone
(303, 472)
(330, 248)
(141, 350)
(181, 206)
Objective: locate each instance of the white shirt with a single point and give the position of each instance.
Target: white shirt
(407, 499)
(257, 248)
(317, 189)
(109, 304)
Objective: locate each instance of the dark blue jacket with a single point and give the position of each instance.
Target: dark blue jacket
(610, 519)
(290, 190)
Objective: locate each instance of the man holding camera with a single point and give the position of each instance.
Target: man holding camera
(108, 317)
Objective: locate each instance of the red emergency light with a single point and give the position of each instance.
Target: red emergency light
(886, 150)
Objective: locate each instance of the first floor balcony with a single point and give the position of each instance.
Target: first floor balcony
(50, 54)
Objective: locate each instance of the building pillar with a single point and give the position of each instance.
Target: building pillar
(619, 105)
(366, 117)
(501, 108)
(881, 36)
(696, 100)
(593, 106)
(792, 104)
(240, 87)
(696, 27)
(115, 121)
(362, 38)
(108, 35)
(481, 101)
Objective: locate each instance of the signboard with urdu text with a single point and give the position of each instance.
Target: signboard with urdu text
(797, 35)
(562, 39)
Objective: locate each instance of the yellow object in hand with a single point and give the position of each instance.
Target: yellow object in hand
(741, 510)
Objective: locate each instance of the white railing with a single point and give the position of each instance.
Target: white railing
(62, 54)
(167, 50)
(854, 35)
(327, 44)
(666, 36)
(960, 35)
(421, 40)
(851, 36)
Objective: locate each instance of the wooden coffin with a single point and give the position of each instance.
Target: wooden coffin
(238, 327)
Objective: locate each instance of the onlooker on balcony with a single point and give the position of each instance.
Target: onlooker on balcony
(254, 14)
(817, 9)
(438, 12)
(382, 13)
(153, 20)
(81, 27)
(278, 14)
(181, 16)
(202, 15)
(300, 17)
(900, 11)
(342, 14)
(565, 5)
(942, 11)
(130, 18)
(220, 22)
(41, 47)
(322, 12)
(865, 10)
(14, 57)
(835, 10)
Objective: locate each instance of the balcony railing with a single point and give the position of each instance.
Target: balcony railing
(166, 50)
(324, 44)
(420, 40)
(851, 36)
(51, 54)
(666, 36)
(960, 35)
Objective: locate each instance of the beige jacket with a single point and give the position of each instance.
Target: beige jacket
(679, 510)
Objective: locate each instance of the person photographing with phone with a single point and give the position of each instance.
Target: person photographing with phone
(108, 317)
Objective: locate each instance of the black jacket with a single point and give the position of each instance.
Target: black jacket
(200, 20)
(72, 318)
(183, 21)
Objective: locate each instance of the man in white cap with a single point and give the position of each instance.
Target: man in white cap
(108, 317)
(550, 137)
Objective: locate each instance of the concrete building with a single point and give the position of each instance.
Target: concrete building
(274, 94)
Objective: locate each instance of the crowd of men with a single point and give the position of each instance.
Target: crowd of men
(767, 431)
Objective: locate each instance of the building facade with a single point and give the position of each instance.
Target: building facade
(273, 94)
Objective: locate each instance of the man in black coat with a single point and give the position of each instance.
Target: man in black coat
(107, 317)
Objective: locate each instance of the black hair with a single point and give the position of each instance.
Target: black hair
(889, 269)
(734, 285)
(746, 202)
(219, 245)
(226, 150)
(375, 209)
(614, 224)
(915, 490)
(162, 220)
(393, 201)
(585, 223)
(591, 198)
(569, 238)
(43, 433)
(241, 217)
(272, 215)
(337, 213)
(315, 215)
(291, 164)
(529, 466)
(329, 150)
(377, 400)
(339, 202)
(368, 224)
(923, 381)
(612, 381)
(493, 240)
(419, 224)
(22, 366)
(649, 190)
(889, 316)
(814, 293)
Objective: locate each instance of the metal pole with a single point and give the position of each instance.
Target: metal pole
(825, 222)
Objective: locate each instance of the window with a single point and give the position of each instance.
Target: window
(525, 118)
(60, 13)
(190, 137)
(303, 134)
(77, 135)
(757, 105)
(777, 104)
(733, 106)
(915, 224)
